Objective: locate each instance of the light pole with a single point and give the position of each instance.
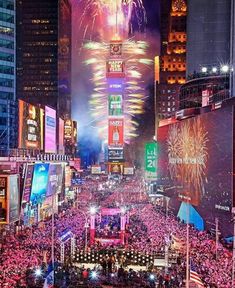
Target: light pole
(233, 267)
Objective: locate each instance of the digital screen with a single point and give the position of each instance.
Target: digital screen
(55, 179)
(195, 164)
(68, 129)
(3, 199)
(116, 132)
(115, 85)
(128, 171)
(95, 169)
(115, 68)
(115, 48)
(61, 136)
(50, 130)
(40, 181)
(67, 174)
(28, 183)
(14, 201)
(115, 105)
(30, 126)
(115, 155)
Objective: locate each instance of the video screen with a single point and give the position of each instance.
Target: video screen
(27, 183)
(195, 165)
(40, 181)
(55, 179)
(30, 126)
(50, 130)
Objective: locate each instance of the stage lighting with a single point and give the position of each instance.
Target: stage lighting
(204, 69)
(93, 274)
(38, 272)
(123, 210)
(225, 68)
(151, 277)
(93, 210)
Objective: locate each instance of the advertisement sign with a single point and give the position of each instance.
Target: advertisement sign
(195, 165)
(39, 184)
(115, 105)
(95, 169)
(116, 169)
(27, 183)
(14, 200)
(205, 97)
(115, 68)
(61, 136)
(30, 126)
(55, 179)
(75, 132)
(115, 85)
(50, 130)
(9, 199)
(67, 176)
(68, 129)
(77, 164)
(115, 48)
(3, 198)
(116, 132)
(115, 155)
(128, 171)
(150, 160)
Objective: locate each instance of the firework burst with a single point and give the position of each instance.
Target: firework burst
(188, 155)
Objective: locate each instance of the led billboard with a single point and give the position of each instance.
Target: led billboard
(195, 164)
(115, 68)
(116, 155)
(55, 179)
(50, 130)
(30, 126)
(27, 183)
(3, 198)
(116, 132)
(61, 136)
(115, 48)
(150, 161)
(95, 169)
(39, 184)
(115, 105)
(115, 85)
(9, 199)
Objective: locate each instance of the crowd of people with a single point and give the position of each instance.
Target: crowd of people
(149, 230)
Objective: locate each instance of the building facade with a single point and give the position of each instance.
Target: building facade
(44, 53)
(172, 58)
(208, 34)
(7, 75)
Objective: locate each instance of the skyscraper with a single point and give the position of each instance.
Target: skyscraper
(44, 52)
(208, 34)
(7, 75)
(172, 58)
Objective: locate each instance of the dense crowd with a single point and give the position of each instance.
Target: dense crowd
(149, 230)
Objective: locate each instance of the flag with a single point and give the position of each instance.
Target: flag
(194, 276)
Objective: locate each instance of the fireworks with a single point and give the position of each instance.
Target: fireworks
(115, 14)
(136, 63)
(188, 155)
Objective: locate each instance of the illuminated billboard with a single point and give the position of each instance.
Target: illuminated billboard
(116, 155)
(128, 171)
(116, 132)
(55, 179)
(61, 136)
(115, 105)
(39, 184)
(30, 126)
(115, 48)
(50, 130)
(195, 163)
(9, 199)
(151, 161)
(95, 169)
(68, 129)
(115, 85)
(67, 176)
(115, 68)
(27, 183)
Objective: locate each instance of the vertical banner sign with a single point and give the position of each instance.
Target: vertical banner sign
(115, 105)
(150, 160)
(50, 130)
(116, 132)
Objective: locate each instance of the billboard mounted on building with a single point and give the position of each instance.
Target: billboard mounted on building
(116, 132)
(50, 130)
(30, 126)
(115, 68)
